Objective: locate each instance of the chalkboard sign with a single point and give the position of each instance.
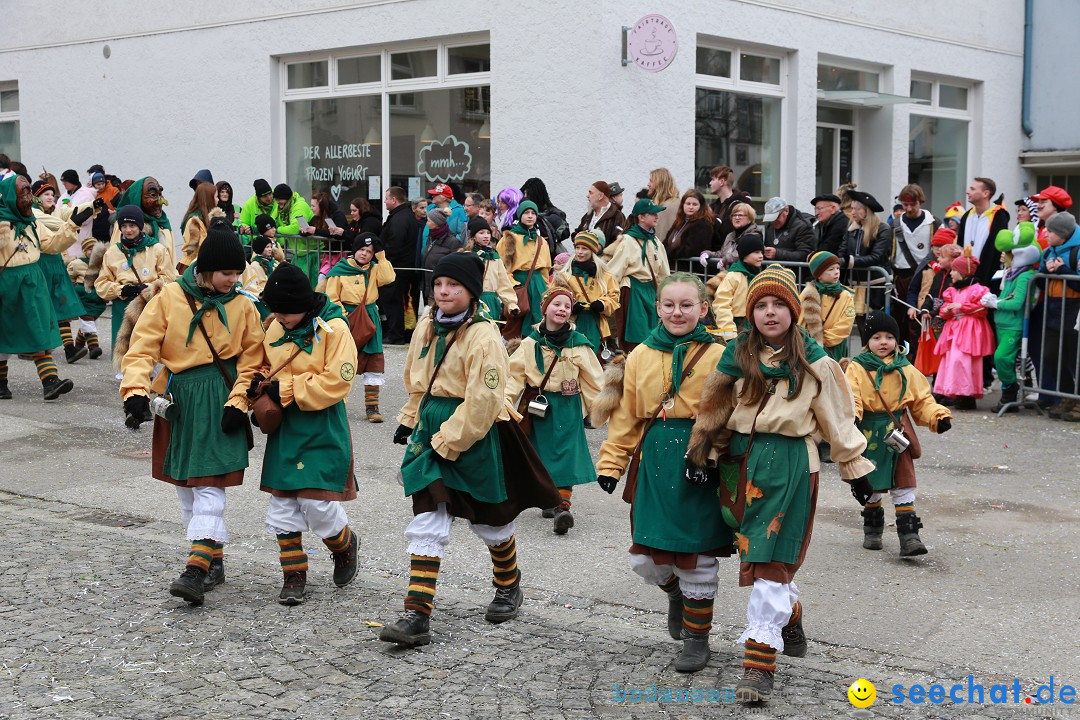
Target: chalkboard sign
(845, 156)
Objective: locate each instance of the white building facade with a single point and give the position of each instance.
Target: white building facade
(352, 97)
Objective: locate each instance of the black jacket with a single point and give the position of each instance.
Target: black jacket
(722, 212)
(553, 226)
(696, 237)
(399, 238)
(989, 259)
(878, 254)
(612, 223)
(830, 234)
(794, 241)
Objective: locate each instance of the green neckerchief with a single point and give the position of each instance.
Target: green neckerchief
(347, 267)
(442, 331)
(662, 340)
(133, 196)
(833, 289)
(526, 233)
(268, 263)
(879, 367)
(574, 339)
(729, 365)
(306, 333)
(209, 301)
(9, 212)
(131, 252)
(485, 254)
(581, 272)
(644, 236)
(749, 272)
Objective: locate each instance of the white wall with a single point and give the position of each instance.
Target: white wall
(1055, 96)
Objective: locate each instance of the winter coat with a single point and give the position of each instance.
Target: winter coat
(611, 223)
(435, 251)
(399, 236)
(689, 240)
(794, 241)
(291, 225)
(722, 212)
(830, 234)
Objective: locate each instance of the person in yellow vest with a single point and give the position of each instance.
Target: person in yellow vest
(28, 322)
(354, 281)
(828, 307)
(456, 464)
(570, 388)
(729, 302)
(677, 528)
(517, 247)
(596, 293)
(638, 264)
(498, 292)
(201, 430)
(308, 467)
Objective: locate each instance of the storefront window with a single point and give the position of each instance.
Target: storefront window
(469, 59)
(742, 131)
(9, 122)
(831, 77)
(358, 70)
(307, 75)
(937, 159)
(410, 65)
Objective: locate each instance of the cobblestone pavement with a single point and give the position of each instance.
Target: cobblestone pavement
(89, 630)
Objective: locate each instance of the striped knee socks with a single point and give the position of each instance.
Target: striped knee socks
(697, 615)
(796, 614)
(566, 493)
(46, 368)
(90, 340)
(218, 550)
(759, 656)
(504, 563)
(291, 552)
(65, 334)
(340, 542)
(371, 396)
(201, 553)
(423, 571)
(671, 585)
(902, 508)
(3, 370)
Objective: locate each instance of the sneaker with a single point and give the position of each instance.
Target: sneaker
(794, 639)
(54, 387)
(292, 589)
(373, 415)
(563, 519)
(695, 653)
(411, 630)
(505, 605)
(189, 586)
(74, 354)
(345, 562)
(215, 576)
(755, 686)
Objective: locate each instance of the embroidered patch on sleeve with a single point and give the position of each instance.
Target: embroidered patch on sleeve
(849, 312)
(348, 371)
(491, 378)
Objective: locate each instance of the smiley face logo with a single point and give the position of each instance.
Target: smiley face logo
(862, 693)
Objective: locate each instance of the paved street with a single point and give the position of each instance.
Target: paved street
(90, 630)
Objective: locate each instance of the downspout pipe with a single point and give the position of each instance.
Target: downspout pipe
(1025, 93)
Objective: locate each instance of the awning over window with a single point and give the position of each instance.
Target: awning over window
(866, 98)
(1038, 159)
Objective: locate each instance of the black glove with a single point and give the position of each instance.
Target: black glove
(861, 490)
(232, 419)
(273, 390)
(696, 474)
(99, 204)
(596, 306)
(129, 291)
(136, 411)
(254, 420)
(401, 435)
(944, 425)
(607, 484)
(253, 388)
(579, 307)
(82, 215)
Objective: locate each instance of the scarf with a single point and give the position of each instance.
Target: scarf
(133, 196)
(141, 243)
(347, 267)
(585, 269)
(438, 233)
(746, 270)
(645, 236)
(526, 234)
(209, 299)
(662, 340)
(306, 332)
(728, 364)
(1015, 272)
(444, 325)
(879, 367)
(833, 289)
(268, 263)
(486, 253)
(556, 340)
(9, 212)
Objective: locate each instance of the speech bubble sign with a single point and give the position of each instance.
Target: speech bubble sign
(443, 160)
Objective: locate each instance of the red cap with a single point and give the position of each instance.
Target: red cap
(943, 236)
(442, 189)
(1055, 195)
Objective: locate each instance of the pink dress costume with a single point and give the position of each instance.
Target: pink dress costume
(967, 337)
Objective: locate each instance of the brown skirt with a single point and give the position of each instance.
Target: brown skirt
(374, 363)
(778, 571)
(681, 560)
(160, 445)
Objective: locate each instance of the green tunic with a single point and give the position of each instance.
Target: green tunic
(312, 450)
(875, 426)
(838, 352)
(559, 440)
(374, 346)
(537, 286)
(65, 300)
(585, 323)
(93, 305)
(119, 305)
(27, 318)
(640, 311)
(494, 304)
(478, 471)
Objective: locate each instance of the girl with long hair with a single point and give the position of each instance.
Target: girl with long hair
(692, 232)
(663, 191)
(506, 204)
(200, 210)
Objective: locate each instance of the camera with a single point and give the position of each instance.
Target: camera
(538, 406)
(897, 441)
(164, 408)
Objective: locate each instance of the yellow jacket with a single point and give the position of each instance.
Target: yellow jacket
(26, 252)
(315, 380)
(647, 376)
(475, 369)
(54, 230)
(498, 281)
(76, 269)
(523, 256)
(254, 278)
(147, 266)
(918, 399)
(578, 364)
(351, 288)
(194, 234)
(729, 302)
(606, 290)
(165, 239)
(160, 334)
(837, 315)
(625, 262)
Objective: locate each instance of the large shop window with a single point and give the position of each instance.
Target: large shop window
(938, 141)
(9, 120)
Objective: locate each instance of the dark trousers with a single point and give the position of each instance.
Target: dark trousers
(909, 329)
(392, 306)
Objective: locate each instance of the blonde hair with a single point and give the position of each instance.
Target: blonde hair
(746, 208)
(664, 188)
(689, 279)
(869, 227)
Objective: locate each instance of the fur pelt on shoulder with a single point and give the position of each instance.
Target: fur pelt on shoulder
(811, 313)
(512, 345)
(611, 394)
(97, 256)
(511, 249)
(715, 280)
(131, 316)
(193, 241)
(716, 406)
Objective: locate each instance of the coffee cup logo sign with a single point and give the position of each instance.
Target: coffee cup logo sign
(445, 160)
(348, 163)
(651, 43)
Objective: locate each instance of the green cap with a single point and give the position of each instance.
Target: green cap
(646, 206)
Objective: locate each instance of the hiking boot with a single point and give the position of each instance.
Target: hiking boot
(674, 615)
(907, 527)
(411, 630)
(1063, 408)
(373, 415)
(505, 605)
(215, 576)
(873, 526)
(5, 392)
(965, 402)
(695, 652)
(755, 686)
(345, 562)
(189, 586)
(74, 354)
(54, 387)
(563, 519)
(548, 512)
(1073, 415)
(1008, 395)
(95, 352)
(292, 589)
(794, 639)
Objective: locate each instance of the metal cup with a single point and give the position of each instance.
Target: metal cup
(164, 408)
(897, 441)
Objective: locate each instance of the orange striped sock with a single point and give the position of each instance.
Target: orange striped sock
(371, 396)
(759, 656)
(905, 508)
(291, 552)
(873, 505)
(796, 613)
(697, 615)
(423, 571)
(46, 368)
(340, 542)
(3, 369)
(670, 585)
(201, 552)
(504, 563)
(65, 334)
(91, 340)
(566, 493)
(219, 550)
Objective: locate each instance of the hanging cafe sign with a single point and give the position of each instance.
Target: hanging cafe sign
(444, 160)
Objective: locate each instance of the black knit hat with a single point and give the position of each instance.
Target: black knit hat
(221, 250)
(282, 192)
(264, 222)
(748, 243)
(132, 214)
(70, 176)
(879, 321)
(259, 244)
(366, 239)
(477, 224)
(262, 188)
(466, 268)
(288, 290)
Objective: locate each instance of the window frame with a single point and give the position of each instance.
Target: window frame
(13, 116)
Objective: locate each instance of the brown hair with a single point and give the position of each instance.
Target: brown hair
(990, 185)
(321, 200)
(724, 172)
(793, 352)
(360, 204)
(704, 211)
(398, 193)
(913, 193)
(202, 202)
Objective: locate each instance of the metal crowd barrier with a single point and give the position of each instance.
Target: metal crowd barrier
(1065, 359)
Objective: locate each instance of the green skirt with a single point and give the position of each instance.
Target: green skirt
(93, 306)
(640, 312)
(537, 287)
(559, 439)
(65, 300)
(312, 450)
(197, 447)
(778, 496)
(119, 305)
(494, 305)
(374, 346)
(669, 513)
(838, 352)
(587, 325)
(477, 472)
(27, 318)
(875, 426)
